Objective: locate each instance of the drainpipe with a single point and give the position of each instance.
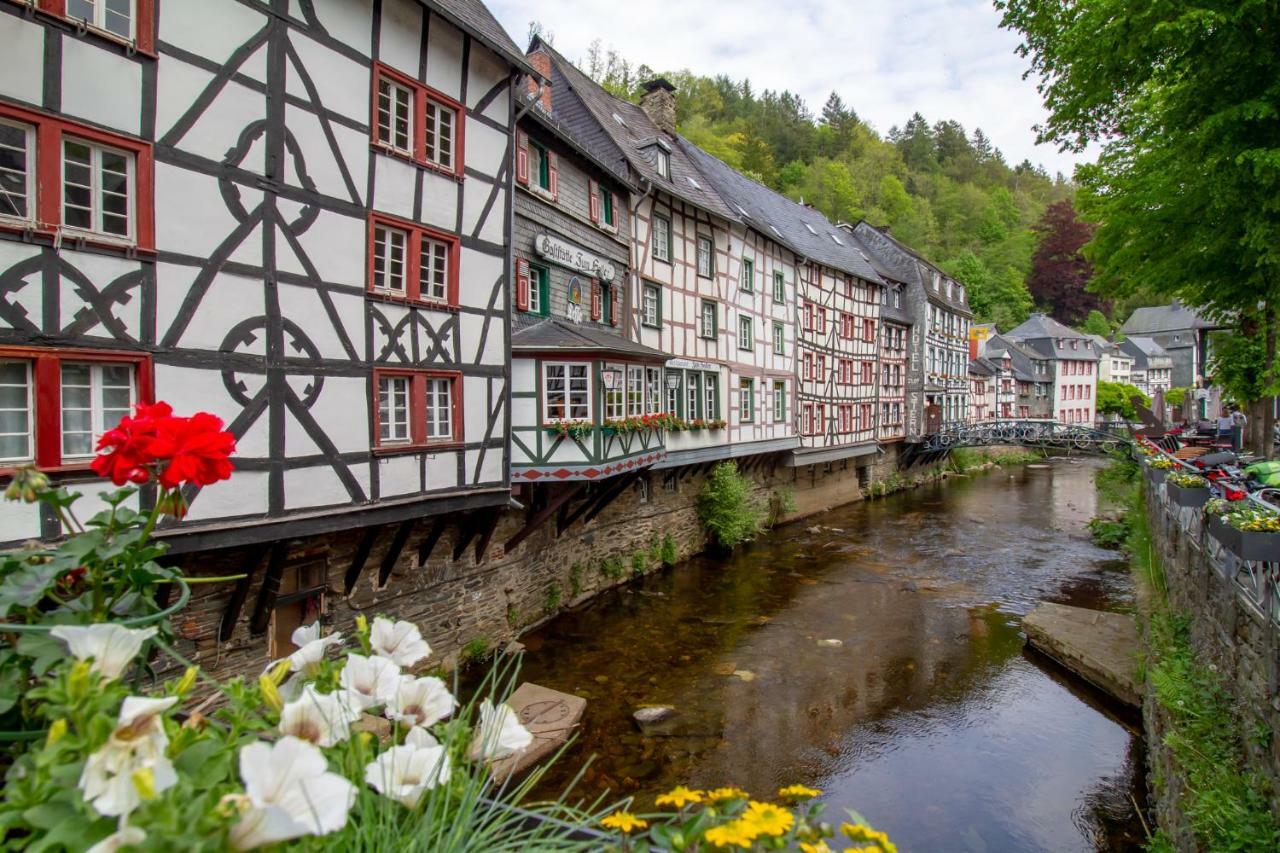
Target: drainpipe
(626, 300)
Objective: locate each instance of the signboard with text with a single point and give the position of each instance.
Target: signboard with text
(566, 254)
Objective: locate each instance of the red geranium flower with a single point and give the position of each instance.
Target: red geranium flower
(198, 450)
(128, 446)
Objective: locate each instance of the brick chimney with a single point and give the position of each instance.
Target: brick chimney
(659, 103)
(541, 61)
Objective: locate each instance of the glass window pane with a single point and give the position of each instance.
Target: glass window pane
(116, 17)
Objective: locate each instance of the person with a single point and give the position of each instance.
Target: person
(1226, 424)
(1238, 422)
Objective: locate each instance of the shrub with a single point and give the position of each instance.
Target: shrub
(475, 649)
(668, 553)
(1110, 533)
(727, 508)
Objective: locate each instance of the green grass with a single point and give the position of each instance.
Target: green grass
(1224, 800)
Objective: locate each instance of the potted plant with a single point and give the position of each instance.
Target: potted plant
(1187, 489)
(1158, 468)
(1254, 534)
(571, 429)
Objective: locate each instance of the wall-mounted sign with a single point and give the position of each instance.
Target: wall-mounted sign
(573, 311)
(566, 254)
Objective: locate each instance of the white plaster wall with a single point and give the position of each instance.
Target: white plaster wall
(100, 86)
(218, 128)
(442, 470)
(444, 57)
(30, 297)
(23, 77)
(398, 475)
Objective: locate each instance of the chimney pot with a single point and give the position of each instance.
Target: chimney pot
(659, 103)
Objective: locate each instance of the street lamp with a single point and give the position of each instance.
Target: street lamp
(610, 377)
(673, 381)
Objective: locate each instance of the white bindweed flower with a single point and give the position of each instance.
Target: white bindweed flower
(319, 718)
(420, 701)
(369, 681)
(289, 793)
(404, 773)
(125, 836)
(112, 647)
(499, 734)
(311, 648)
(400, 641)
(137, 745)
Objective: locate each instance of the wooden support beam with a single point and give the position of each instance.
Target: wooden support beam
(428, 543)
(467, 529)
(554, 504)
(270, 589)
(581, 509)
(240, 593)
(488, 524)
(360, 558)
(393, 553)
(624, 483)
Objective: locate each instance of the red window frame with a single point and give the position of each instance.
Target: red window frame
(46, 395)
(49, 131)
(144, 27)
(868, 373)
(421, 94)
(417, 410)
(869, 330)
(413, 261)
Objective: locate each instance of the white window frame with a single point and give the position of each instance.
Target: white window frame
(650, 305)
(432, 126)
(779, 286)
(779, 401)
(708, 314)
(615, 406)
(96, 211)
(653, 390)
(387, 139)
(779, 338)
(29, 176)
(746, 401)
(662, 247)
(97, 413)
(428, 287)
(387, 404)
(635, 390)
(708, 255)
(439, 388)
(583, 383)
(99, 22)
(382, 256)
(693, 394)
(746, 332)
(29, 411)
(711, 396)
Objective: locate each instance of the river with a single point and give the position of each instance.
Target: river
(874, 652)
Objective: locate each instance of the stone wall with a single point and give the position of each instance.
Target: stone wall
(461, 602)
(1229, 634)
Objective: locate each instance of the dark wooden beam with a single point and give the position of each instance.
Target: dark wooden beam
(488, 524)
(553, 504)
(270, 589)
(393, 553)
(360, 557)
(428, 543)
(582, 509)
(240, 593)
(467, 529)
(624, 483)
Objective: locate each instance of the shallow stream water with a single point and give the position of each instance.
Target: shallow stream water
(874, 652)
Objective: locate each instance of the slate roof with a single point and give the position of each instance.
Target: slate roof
(1146, 353)
(1174, 317)
(782, 220)
(565, 134)
(982, 367)
(634, 137)
(906, 264)
(1042, 326)
(555, 334)
(474, 18)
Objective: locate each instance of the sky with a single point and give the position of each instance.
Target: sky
(946, 59)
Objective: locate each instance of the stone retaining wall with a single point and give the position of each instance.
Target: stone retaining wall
(1229, 634)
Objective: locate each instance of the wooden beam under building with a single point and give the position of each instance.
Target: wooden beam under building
(360, 557)
(553, 505)
(240, 593)
(393, 553)
(428, 543)
(270, 589)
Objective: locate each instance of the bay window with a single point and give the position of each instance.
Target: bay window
(614, 410)
(711, 396)
(635, 391)
(693, 395)
(653, 390)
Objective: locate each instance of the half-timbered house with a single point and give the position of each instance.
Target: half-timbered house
(293, 215)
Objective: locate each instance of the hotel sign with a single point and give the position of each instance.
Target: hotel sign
(568, 255)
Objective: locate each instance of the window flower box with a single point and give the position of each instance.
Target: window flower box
(1187, 496)
(1251, 533)
(571, 429)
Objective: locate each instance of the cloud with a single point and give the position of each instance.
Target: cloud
(946, 59)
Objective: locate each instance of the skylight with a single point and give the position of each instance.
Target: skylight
(775, 230)
(839, 242)
(619, 120)
(811, 231)
(692, 181)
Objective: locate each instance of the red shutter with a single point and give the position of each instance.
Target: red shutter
(615, 305)
(595, 299)
(522, 157)
(593, 201)
(553, 168)
(522, 284)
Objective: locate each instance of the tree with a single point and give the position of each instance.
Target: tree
(1116, 398)
(1059, 271)
(1097, 324)
(1002, 300)
(1184, 99)
(840, 121)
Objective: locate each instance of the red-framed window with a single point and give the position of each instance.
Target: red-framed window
(865, 411)
(808, 316)
(846, 325)
(130, 22)
(86, 184)
(820, 366)
(868, 373)
(807, 370)
(412, 409)
(845, 417)
(846, 371)
(806, 419)
(822, 320)
(414, 121)
(55, 403)
(410, 261)
(869, 330)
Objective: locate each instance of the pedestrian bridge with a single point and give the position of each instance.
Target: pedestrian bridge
(1040, 434)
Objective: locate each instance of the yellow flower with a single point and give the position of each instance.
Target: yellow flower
(270, 693)
(820, 847)
(799, 792)
(623, 822)
(862, 832)
(57, 730)
(679, 796)
(768, 818)
(735, 833)
(729, 793)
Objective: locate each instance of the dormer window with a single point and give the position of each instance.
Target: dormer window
(663, 163)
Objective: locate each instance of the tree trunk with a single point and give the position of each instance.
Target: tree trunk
(1269, 401)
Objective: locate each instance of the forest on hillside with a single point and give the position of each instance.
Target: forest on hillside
(941, 188)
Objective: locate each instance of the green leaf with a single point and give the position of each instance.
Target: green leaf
(27, 586)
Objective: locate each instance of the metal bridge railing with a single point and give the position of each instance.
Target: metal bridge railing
(1027, 432)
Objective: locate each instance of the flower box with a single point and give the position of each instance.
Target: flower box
(1186, 497)
(1156, 475)
(1250, 545)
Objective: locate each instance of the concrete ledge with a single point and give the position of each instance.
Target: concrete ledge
(1099, 647)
